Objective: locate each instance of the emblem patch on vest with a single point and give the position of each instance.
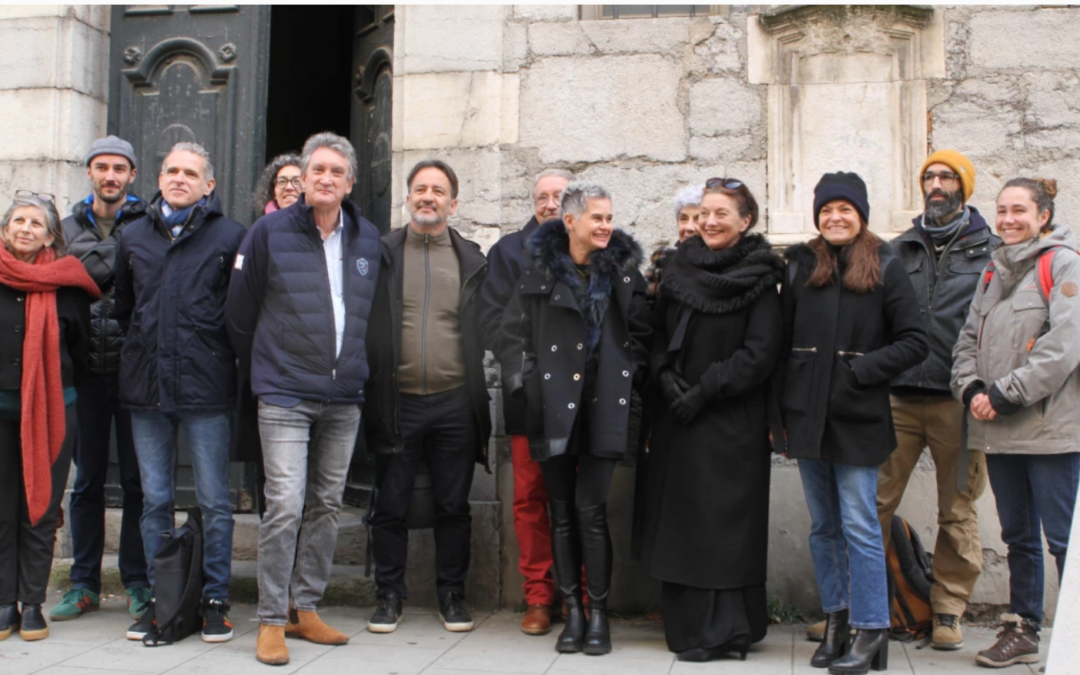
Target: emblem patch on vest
(362, 266)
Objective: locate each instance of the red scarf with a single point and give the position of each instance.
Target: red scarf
(43, 424)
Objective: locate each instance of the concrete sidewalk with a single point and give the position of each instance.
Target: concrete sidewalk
(95, 644)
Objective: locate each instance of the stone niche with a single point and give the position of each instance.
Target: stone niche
(847, 92)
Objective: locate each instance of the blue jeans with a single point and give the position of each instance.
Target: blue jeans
(98, 405)
(1033, 490)
(845, 540)
(208, 435)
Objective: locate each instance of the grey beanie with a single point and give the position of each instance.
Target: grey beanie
(111, 145)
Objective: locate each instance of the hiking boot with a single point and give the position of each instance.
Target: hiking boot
(308, 626)
(1018, 642)
(270, 646)
(145, 624)
(537, 620)
(76, 602)
(216, 624)
(138, 599)
(9, 620)
(387, 615)
(33, 626)
(452, 612)
(815, 632)
(948, 636)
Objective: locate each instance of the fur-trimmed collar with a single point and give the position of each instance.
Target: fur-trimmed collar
(549, 250)
(724, 281)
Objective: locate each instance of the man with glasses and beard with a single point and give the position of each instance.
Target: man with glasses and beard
(945, 253)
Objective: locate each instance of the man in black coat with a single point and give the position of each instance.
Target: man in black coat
(178, 368)
(92, 233)
(506, 262)
(427, 396)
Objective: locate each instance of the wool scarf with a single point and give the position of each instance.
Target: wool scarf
(722, 281)
(42, 423)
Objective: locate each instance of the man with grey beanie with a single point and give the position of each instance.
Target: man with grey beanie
(92, 233)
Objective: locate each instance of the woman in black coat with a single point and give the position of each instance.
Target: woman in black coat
(575, 343)
(851, 324)
(717, 336)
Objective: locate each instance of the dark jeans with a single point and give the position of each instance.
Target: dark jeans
(1035, 494)
(98, 405)
(26, 550)
(440, 429)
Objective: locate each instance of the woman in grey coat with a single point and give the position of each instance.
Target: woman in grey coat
(1015, 368)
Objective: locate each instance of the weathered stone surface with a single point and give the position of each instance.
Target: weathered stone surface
(639, 37)
(515, 46)
(719, 48)
(1053, 100)
(604, 108)
(979, 132)
(561, 38)
(1025, 39)
(54, 52)
(725, 105)
(78, 118)
(546, 12)
(446, 38)
(65, 179)
(451, 110)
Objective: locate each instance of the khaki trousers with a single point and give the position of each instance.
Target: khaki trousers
(936, 422)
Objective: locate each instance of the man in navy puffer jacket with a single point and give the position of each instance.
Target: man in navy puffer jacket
(301, 292)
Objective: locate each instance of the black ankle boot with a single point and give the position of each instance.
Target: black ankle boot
(9, 620)
(32, 626)
(596, 550)
(834, 645)
(566, 552)
(870, 649)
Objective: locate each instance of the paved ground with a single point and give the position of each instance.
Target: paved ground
(94, 644)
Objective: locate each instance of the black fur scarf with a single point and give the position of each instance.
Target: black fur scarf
(723, 281)
(549, 248)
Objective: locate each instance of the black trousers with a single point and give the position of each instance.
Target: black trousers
(26, 550)
(440, 429)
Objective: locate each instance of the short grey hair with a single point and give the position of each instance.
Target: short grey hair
(547, 173)
(52, 219)
(331, 141)
(195, 149)
(688, 196)
(576, 196)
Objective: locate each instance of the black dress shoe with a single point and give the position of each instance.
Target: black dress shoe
(870, 649)
(9, 620)
(33, 626)
(835, 642)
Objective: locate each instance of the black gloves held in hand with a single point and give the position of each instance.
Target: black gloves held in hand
(687, 407)
(672, 385)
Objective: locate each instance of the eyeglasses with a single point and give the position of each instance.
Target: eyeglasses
(729, 183)
(544, 199)
(43, 196)
(286, 182)
(946, 177)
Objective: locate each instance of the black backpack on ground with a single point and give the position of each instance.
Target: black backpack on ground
(178, 583)
(910, 578)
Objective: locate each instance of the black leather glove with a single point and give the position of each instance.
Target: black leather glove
(689, 405)
(672, 384)
(1002, 405)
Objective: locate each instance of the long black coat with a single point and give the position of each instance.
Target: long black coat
(706, 512)
(841, 349)
(545, 332)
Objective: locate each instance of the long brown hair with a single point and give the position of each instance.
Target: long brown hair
(863, 271)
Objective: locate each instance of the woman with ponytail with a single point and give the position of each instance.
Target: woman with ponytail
(45, 319)
(1015, 368)
(851, 324)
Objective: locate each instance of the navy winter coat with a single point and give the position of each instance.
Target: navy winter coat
(171, 293)
(280, 315)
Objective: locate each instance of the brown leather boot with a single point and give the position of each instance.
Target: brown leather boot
(309, 626)
(537, 620)
(270, 648)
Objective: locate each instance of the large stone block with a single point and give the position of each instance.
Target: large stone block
(67, 180)
(725, 105)
(78, 120)
(446, 38)
(587, 110)
(451, 110)
(639, 37)
(561, 38)
(515, 46)
(95, 16)
(718, 51)
(546, 12)
(1016, 38)
(974, 130)
(1053, 100)
(56, 53)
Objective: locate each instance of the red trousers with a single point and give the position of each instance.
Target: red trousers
(531, 524)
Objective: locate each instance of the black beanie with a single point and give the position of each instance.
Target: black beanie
(841, 185)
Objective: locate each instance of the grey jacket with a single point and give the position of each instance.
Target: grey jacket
(1003, 345)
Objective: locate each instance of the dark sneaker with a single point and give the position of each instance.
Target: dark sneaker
(452, 612)
(32, 626)
(144, 625)
(9, 620)
(216, 624)
(138, 599)
(76, 602)
(387, 615)
(1018, 642)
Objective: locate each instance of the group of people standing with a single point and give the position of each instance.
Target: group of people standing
(850, 357)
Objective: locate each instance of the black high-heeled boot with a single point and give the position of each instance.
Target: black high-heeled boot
(566, 554)
(596, 549)
(32, 626)
(9, 620)
(870, 649)
(833, 646)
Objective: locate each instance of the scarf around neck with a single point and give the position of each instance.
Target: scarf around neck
(42, 420)
(723, 281)
(941, 235)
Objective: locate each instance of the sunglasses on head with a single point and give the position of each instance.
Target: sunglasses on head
(729, 183)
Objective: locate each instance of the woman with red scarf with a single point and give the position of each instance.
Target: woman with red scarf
(45, 322)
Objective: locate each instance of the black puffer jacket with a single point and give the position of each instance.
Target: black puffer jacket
(99, 256)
